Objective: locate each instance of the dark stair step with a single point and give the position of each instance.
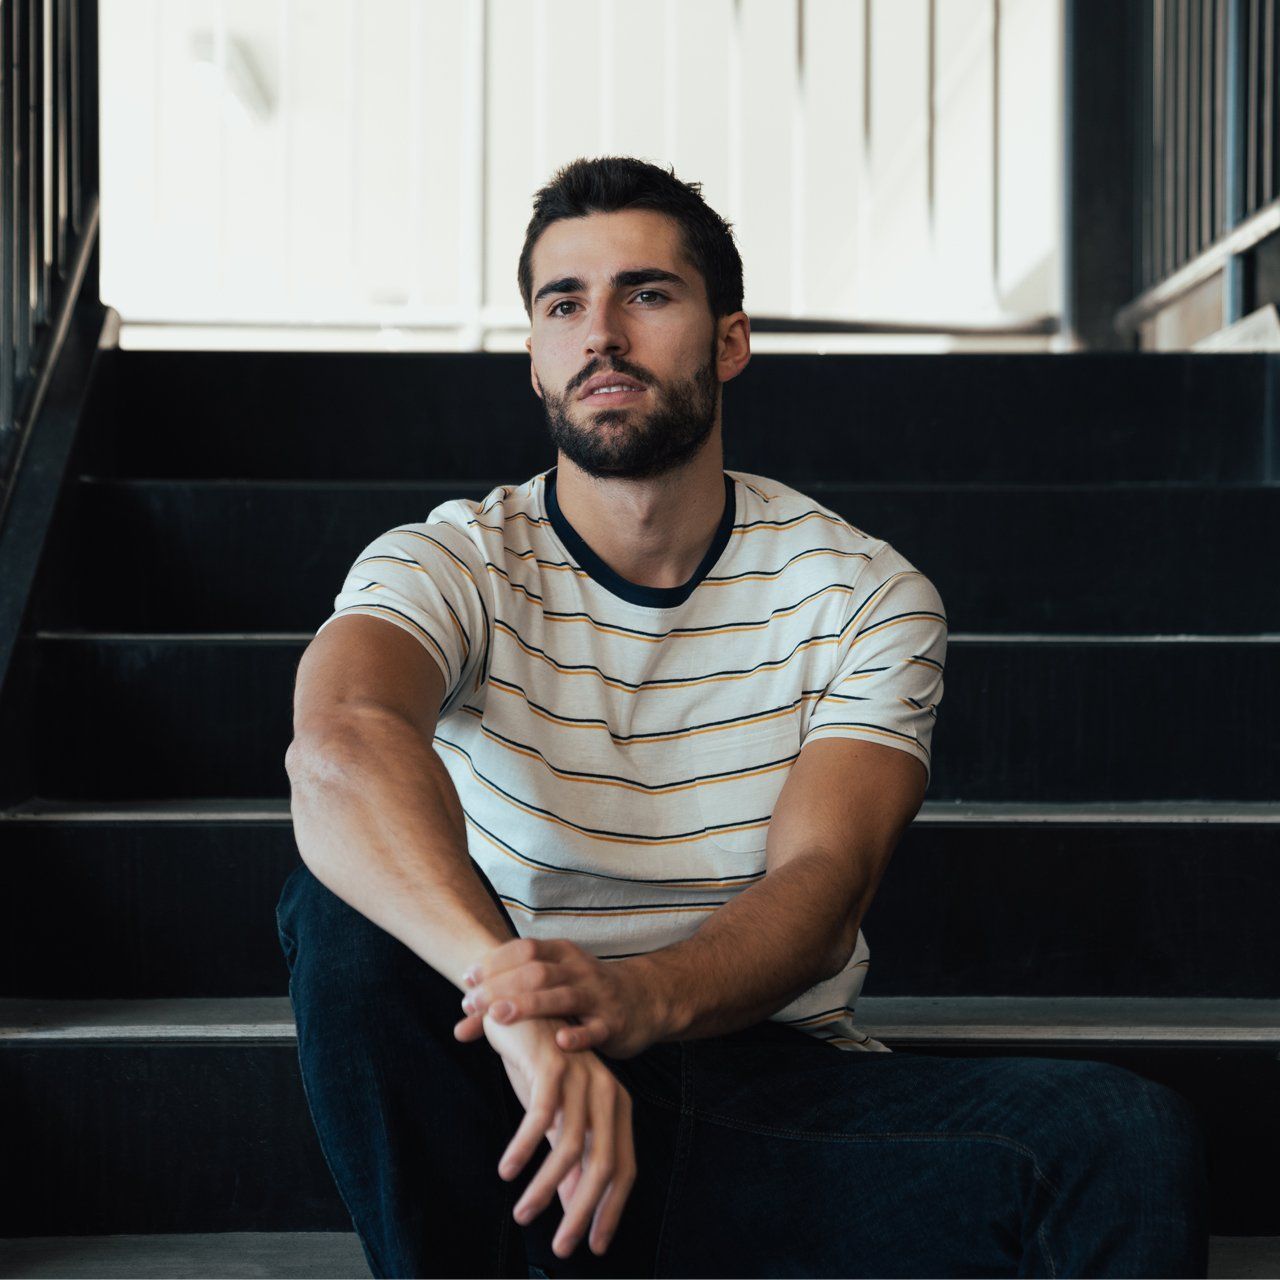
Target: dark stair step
(239, 1255)
(1044, 718)
(178, 899)
(107, 1099)
(220, 555)
(283, 1255)
(1089, 416)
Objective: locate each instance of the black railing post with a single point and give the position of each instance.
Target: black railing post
(1098, 145)
(60, 148)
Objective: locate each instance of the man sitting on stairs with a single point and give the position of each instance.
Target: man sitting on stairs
(593, 784)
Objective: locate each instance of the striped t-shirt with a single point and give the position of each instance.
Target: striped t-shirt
(617, 748)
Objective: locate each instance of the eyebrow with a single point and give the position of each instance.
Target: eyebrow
(623, 280)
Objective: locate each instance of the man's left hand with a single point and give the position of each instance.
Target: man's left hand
(555, 978)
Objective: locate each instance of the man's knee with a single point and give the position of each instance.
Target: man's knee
(326, 941)
(1109, 1113)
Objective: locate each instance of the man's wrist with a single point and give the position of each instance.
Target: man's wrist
(656, 995)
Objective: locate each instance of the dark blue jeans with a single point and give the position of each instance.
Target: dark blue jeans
(761, 1153)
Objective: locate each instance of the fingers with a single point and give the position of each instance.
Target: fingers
(568, 1150)
(593, 1031)
(609, 1211)
(470, 1028)
(598, 1169)
(517, 952)
(539, 989)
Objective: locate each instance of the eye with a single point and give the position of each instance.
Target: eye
(568, 302)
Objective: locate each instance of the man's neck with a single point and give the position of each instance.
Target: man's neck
(654, 532)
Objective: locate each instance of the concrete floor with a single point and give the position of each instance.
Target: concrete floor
(337, 1254)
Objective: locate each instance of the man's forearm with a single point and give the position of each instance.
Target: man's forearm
(377, 819)
(750, 957)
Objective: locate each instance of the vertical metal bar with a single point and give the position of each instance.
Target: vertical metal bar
(6, 236)
(60, 148)
(1144, 45)
(1251, 114)
(75, 123)
(1155, 106)
(20, 280)
(1266, 161)
(1220, 119)
(1180, 139)
(1193, 95)
(1068, 86)
(1168, 248)
(1233, 272)
(1206, 118)
(39, 163)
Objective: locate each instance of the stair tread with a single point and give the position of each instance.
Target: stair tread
(1111, 1020)
(229, 1254)
(276, 809)
(285, 1254)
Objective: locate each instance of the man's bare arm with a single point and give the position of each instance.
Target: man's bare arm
(376, 816)
(835, 825)
(837, 821)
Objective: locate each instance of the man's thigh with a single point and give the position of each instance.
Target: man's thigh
(802, 1159)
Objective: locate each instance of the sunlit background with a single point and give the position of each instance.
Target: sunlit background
(325, 173)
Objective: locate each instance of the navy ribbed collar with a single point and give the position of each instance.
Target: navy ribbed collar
(634, 593)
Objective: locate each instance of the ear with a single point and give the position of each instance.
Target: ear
(533, 373)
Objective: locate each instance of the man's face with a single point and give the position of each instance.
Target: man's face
(657, 332)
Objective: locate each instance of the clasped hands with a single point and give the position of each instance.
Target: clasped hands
(615, 1009)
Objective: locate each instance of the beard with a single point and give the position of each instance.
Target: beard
(630, 442)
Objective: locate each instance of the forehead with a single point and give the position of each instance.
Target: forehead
(601, 243)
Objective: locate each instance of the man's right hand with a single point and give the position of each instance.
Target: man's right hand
(585, 1113)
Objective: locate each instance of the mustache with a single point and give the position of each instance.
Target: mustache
(590, 372)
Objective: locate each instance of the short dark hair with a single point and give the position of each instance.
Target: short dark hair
(610, 183)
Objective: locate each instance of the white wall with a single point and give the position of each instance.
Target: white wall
(374, 164)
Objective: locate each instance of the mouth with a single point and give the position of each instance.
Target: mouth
(609, 387)
(616, 395)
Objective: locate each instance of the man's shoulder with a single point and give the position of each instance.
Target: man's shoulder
(775, 504)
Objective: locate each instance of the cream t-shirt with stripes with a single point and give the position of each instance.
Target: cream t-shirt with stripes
(618, 749)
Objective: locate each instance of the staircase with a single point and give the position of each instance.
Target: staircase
(1095, 872)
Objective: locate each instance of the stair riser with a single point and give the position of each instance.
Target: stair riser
(188, 909)
(206, 557)
(104, 1136)
(1058, 721)
(1000, 417)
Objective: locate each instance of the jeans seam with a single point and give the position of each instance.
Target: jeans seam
(1044, 1248)
(684, 1135)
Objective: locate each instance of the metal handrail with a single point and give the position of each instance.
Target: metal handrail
(1252, 231)
(44, 246)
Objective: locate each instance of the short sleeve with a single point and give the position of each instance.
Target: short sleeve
(887, 681)
(430, 580)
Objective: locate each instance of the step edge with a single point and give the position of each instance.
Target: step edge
(933, 812)
(1176, 1021)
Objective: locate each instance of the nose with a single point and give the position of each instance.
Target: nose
(605, 333)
